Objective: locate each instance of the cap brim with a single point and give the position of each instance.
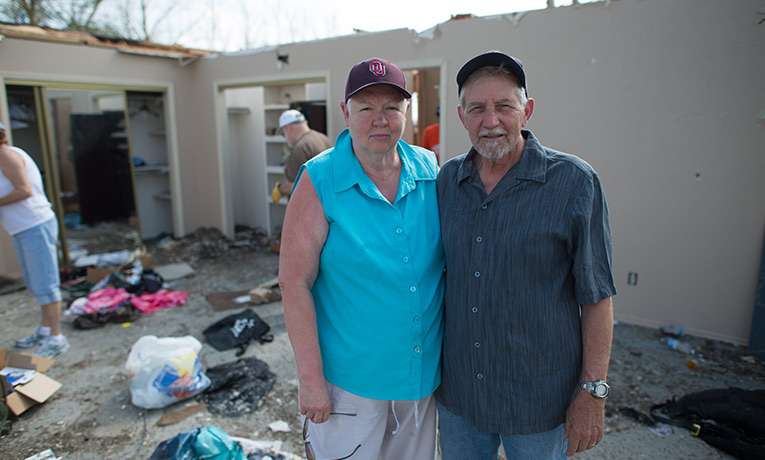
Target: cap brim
(404, 92)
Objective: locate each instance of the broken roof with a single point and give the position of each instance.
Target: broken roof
(124, 45)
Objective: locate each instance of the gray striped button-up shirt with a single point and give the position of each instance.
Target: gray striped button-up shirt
(519, 264)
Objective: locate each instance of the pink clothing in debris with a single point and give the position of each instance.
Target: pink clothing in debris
(106, 300)
(163, 298)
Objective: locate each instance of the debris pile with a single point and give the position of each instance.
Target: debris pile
(207, 243)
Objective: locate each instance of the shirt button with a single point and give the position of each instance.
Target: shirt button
(477, 274)
(399, 231)
(477, 344)
(405, 259)
(416, 319)
(484, 206)
(412, 288)
(416, 349)
(478, 239)
(474, 309)
(479, 376)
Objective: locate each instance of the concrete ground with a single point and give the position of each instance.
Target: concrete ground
(91, 417)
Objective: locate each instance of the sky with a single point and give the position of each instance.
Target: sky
(232, 25)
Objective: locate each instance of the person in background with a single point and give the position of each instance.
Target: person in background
(528, 313)
(304, 143)
(26, 214)
(430, 139)
(361, 274)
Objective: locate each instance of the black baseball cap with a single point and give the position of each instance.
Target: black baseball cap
(375, 71)
(492, 58)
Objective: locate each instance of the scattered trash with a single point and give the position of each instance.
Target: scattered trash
(672, 330)
(225, 300)
(279, 426)
(263, 294)
(172, 272)
(749, 359)
(44, 455)
(172, 418)
(264, 450)
(638, 416)
(206, 442)
(237, 330)
(165, 371)
(692, 364)
(616, 430)
(268, 455)
(730, 419)
(680, 346)
(238, 387)
(636, 351)
(662, 432)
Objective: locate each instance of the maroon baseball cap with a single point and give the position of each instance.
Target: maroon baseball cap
(375, 71)
(492, 58)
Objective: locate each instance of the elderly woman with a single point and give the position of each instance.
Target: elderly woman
(26, 214)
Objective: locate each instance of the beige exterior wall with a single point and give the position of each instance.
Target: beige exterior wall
(664, 99)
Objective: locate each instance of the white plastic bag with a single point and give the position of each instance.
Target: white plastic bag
(165, 370)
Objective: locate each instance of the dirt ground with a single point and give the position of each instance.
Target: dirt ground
(91, 416)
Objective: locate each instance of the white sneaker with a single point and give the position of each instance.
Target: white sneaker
(33, 340)
(52, 347)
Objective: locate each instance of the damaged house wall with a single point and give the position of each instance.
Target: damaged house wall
(664, 99)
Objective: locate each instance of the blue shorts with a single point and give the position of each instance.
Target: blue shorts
(38, 256)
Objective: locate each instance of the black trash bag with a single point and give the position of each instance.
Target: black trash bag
(732, 419)
(236, 331)
(125, 313)
(149, 282)
(238, 387)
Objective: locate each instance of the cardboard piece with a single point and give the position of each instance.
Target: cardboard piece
(94, 275)
(36, 391)
(174, 417)
(261, 295)
(39, 389)
(225, 300)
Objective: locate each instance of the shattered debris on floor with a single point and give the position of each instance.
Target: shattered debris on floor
(91, 416)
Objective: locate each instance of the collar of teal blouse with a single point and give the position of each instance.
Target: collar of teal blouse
(347, 171)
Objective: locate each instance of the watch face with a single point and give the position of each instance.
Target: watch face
(601, 390)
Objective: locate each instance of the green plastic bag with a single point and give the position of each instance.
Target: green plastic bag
(206, 443)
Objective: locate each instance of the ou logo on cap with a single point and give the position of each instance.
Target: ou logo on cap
(377, 68)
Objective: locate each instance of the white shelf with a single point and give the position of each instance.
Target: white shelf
(275, 170)
(152, 169)
(282, 201)
(276, 139)
(239, 110)
(276, 107)
(163, 196)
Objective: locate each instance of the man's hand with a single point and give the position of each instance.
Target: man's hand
(314, 402)
(585, 422)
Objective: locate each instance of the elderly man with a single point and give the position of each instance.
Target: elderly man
(528, 315)
(304, 143)
(361, 273)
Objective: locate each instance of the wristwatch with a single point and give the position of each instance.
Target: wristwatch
(598, 388)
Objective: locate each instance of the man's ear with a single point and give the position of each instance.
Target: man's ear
(528, 111)
(459, 114)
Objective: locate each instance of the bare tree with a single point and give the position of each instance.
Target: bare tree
(72, 15)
